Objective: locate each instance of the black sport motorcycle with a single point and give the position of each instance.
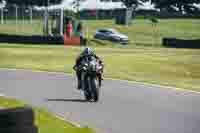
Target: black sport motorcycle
(91, 77)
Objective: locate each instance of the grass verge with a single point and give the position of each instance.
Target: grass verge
(171, 67)
(46, 122)
(141, 32)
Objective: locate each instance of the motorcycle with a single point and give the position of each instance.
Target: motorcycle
(91, 76)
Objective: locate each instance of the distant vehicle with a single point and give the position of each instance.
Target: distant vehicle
(111, 35)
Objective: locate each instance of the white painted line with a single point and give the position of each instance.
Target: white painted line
(127, 81)
(2, 95)
(155, 85)
(38, 71)
(71, 122)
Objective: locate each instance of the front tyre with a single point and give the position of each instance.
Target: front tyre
(87, 93)
(95, 89)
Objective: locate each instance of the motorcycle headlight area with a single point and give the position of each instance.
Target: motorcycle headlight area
(92, 66)
(84, 68)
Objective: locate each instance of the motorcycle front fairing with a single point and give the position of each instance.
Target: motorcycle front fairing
(90, 68)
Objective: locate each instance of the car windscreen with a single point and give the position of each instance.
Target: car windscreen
(103, 31)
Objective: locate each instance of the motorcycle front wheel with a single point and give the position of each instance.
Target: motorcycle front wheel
(95, 89)
(87, 93)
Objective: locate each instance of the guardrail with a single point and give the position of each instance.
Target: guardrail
(34, 39)
(180, 43)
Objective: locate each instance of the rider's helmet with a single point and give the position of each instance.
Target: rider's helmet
(87, 51)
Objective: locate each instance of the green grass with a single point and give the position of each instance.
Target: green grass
(22, 28)
(172, 67)
(141, 32)
(45, 121)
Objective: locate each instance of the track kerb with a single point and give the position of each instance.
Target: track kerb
(17, 120)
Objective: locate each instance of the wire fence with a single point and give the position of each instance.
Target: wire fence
(21, 20)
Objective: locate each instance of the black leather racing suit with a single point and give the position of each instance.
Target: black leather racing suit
(78, 61)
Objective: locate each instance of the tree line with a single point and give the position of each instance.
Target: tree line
(181, 5)
(167, 5)
(32, 2)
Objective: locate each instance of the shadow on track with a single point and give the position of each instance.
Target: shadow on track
(68, 100)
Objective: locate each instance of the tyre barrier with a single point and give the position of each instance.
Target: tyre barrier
(17, 120)
(33, 39)
(25, 129)
(180, 43)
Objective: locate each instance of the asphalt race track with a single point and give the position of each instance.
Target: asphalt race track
(123, 107)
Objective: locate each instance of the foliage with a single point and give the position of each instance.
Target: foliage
(181, 5)
(130, 3)
(33, 2)
(76, 4)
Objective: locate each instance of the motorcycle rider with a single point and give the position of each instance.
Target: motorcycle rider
(87, 52)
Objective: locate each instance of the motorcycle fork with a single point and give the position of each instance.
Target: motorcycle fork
(89, 85)
(89, 77)
(83, 80)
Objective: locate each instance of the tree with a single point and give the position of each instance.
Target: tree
(76, 4)
(45, 2)
(185, 5)
(131, 6)
(33, 2)
(182, 5)
(132, 3)
(161, 3)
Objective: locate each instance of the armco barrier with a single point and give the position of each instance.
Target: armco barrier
(17, 120)
(34, 39)
(180, 43)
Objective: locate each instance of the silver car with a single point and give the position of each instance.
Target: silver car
(111, 35)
